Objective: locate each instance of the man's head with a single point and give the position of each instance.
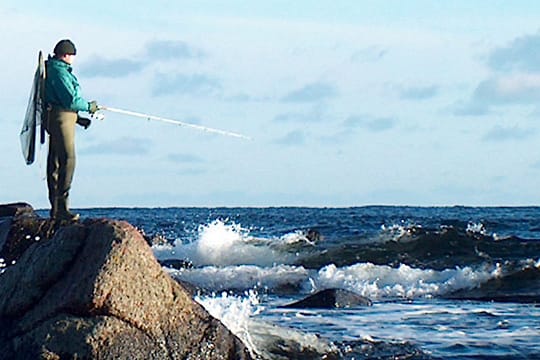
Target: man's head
(65, 50)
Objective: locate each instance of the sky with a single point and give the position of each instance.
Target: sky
(348, 103)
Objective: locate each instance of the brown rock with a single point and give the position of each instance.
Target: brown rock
(95, 291)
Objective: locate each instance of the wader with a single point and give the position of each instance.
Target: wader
(61, 160)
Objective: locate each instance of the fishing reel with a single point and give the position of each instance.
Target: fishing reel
(97, 116)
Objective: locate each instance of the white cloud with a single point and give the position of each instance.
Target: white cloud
(522, 54)
(515, 79)
(111, 68)
(516, 89)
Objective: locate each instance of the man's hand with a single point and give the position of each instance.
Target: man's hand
(93, 107)
(84, 122)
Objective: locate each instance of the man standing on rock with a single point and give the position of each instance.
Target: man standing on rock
(64, 101)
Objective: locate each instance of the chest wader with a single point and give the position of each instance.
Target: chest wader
(60, 160)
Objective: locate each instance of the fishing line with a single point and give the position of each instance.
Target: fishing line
(175, 122)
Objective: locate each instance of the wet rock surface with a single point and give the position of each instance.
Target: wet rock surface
(330, 299)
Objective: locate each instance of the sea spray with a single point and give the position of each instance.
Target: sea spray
(234, 312)
(221, 243)
(381, 281)
(265, 340)
(280, 278)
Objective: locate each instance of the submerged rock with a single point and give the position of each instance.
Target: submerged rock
(331, 298)
(95, 290)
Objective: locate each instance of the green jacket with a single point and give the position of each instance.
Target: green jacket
(62, 88)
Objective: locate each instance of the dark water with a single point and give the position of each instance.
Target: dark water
(448, 282)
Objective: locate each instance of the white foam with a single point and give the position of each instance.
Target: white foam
(397, 232)
(296, 237)
(376, 281)
(238, 314)
(373, 281)
(244, 277)
(223, 244)
(225, 256)
(476, 228)
(234, 312)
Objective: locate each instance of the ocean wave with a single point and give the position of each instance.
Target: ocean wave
(221, 243)
(442, 248)
(410, 262)
(373, 281)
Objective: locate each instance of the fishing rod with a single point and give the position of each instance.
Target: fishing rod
(175, 122)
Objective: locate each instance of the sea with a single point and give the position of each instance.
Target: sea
(445, 282)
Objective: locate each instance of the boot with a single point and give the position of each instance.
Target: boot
(62, 212)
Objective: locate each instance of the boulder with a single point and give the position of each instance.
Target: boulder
(94, 290)
(16, 209)
(7, 212)
(330, 299)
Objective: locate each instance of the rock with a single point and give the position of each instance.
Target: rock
(331, 298)
(94, 290)
(16, 209)
(522, 286)
(7, 212)
(176, 264)
(314, 236)
(5, 226)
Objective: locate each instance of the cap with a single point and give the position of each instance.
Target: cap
(65, 47)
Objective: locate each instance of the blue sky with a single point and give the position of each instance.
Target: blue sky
(349, 103)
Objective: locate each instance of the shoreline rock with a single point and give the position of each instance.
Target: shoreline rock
(95, 290)
(331, 299)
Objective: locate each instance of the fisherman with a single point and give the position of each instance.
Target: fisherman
(64, 101)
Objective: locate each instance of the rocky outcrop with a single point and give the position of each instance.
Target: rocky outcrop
(94, 290)
(331, 299)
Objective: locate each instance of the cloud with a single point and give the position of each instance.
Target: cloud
(373, 124)
(522, 54)
(154, 51)
(311, 93)
(122, 146)
(293, 138)
(194, 84)
(515, 81)
(520, 88)
(167, 49)
(100, 67)
(419, 92)
(185, 158)
(516, 89)
(499, 133)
